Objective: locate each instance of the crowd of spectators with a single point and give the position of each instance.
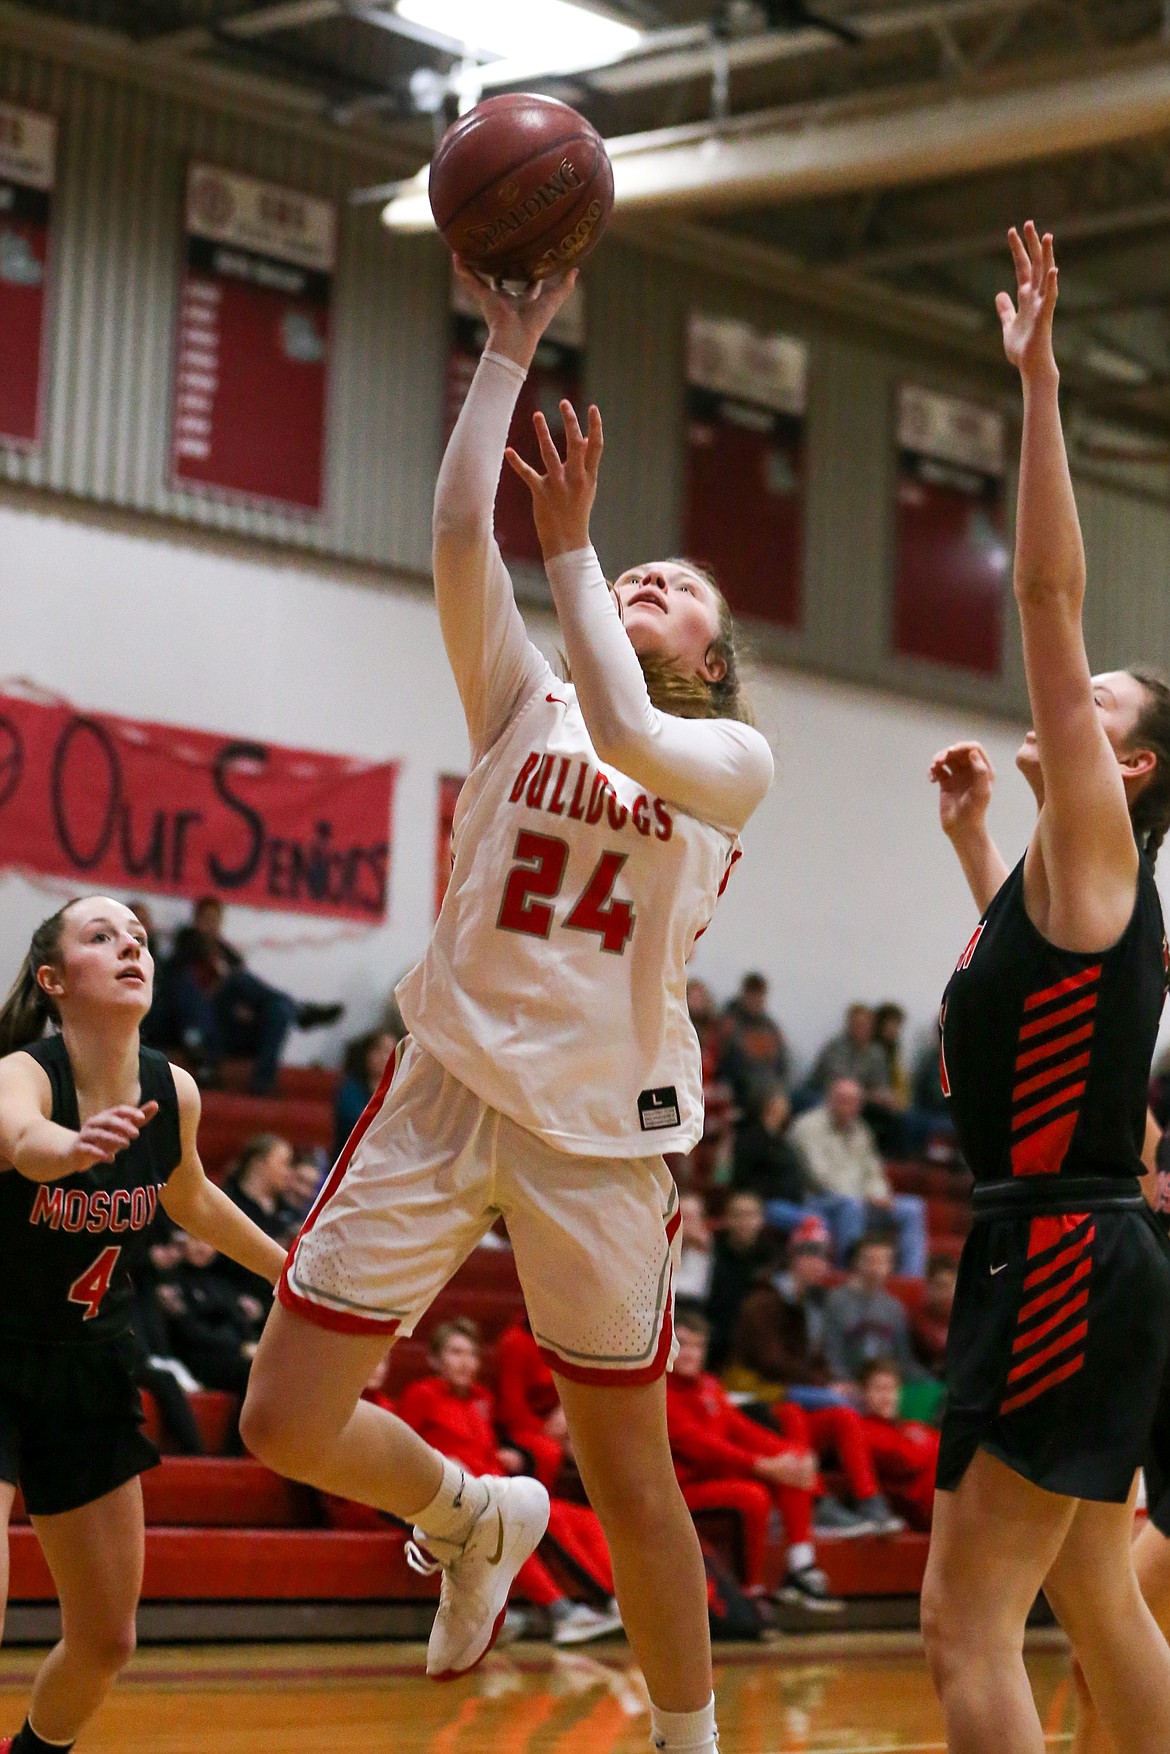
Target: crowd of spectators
(806, 1391)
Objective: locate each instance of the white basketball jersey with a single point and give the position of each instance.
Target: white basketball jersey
(555, 983)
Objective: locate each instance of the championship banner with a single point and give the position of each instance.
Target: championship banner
(28, 147)
(252, 349)
(124, 804)
(450, 786)
(555, 372)
(953, 562)
(744, 477)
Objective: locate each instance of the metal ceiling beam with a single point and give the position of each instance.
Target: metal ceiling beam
(966, 132)
(1069, 229)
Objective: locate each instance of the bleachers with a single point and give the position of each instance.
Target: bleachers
(224, 1529)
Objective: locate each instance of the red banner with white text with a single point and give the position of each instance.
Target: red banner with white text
(124, 804)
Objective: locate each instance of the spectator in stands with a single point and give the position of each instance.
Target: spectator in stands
(853, 1054)
(755, 1055)
(260, 1184)
(864, 1320)
(766, 1162)
(709, 1161)
(744, 1247)
(305, 1177)
(932, 1319)
(930, 1102)
(213, 1006)
(454, 1411)
(215, 1325)
(905, 1452)
(850, 1188)
(158, 1370)
(726, 1461)
(697, 1254)
(361, 1072)
(778, 1349)
(528, 1407)
(708, 1026)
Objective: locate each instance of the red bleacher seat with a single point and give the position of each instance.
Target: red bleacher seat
(215, 1415)
(231, 1118)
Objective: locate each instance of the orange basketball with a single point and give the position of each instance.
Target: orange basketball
(521, 187)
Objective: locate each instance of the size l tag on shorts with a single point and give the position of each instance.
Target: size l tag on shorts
(658, 1108)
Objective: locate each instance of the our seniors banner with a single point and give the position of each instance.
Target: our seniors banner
(123, 803)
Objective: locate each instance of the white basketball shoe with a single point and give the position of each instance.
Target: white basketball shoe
(477, 1576)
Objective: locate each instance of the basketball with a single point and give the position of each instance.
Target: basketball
(521, 187)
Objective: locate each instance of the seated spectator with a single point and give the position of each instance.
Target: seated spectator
(853, 1054)
(306, 1177)
(930, 1105)
(778, 1348)
(726, 1461)
(905, 1452)
(709, 1161)
(214, 1323)
(850, 1189)
(260, 1184)
(455, 1413)
(211, 1006)
(766, 1162)
(863, 1318)
(755, 1055)
(743, 1248)
(528, 1407)
(697, 1254)
(708, 1026)
(362, 1069)
(932, 1319)
(157, 1370)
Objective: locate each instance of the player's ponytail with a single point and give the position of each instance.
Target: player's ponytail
(693, 697)
(28, 1007)
(1150, 813)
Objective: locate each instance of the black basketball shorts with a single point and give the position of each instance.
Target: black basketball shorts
(1058, 1347)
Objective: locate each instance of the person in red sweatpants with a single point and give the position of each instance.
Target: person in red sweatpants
(726, 1461)
(455, 1413)
(527, 1405)
(904, 1451)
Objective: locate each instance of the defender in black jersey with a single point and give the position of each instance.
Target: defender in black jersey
(96, 1133)
(1060, 1332)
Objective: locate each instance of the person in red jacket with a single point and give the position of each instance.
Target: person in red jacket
(905, 1452)
(527, 1404)
(455, 1414)
(726, 1461)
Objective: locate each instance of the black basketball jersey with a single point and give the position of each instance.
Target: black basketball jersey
(70, 1246)
(1046, 1052)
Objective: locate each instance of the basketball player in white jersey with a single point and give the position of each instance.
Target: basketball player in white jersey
(550, 1059)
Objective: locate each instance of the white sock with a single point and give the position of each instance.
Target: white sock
(801, 1555)
(456, 1505)
(685, 1732)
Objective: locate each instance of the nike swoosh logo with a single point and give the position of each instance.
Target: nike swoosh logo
(499, 1552)
(996, 1270)
(556, 700)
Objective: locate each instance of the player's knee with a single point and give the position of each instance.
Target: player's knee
(109, 1645)
(942, 1630)
(267, 1428)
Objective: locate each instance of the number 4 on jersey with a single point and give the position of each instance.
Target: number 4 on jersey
(90, 1287)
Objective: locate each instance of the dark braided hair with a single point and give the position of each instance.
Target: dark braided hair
(1150, 813)
(28, 1007)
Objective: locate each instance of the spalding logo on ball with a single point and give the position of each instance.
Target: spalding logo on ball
(521, 187)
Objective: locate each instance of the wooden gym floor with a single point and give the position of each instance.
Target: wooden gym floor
(844, 1694)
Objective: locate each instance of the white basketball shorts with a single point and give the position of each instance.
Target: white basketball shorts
(425, 1174)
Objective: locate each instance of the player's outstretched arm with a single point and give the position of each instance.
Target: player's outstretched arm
(715, 769)
(39, 1149)
(494, 665)
(964, 776)
(1090, 858)
(199, 1207)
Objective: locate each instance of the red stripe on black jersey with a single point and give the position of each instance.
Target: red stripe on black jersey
(1087, 977)
(1040, 1150)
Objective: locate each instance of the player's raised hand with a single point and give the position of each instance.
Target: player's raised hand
(105, 1134)
(516, 324)
(562, 498)
(964, 776)
(1027, 323)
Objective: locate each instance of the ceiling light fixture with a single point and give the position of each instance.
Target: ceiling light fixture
(540, 35)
